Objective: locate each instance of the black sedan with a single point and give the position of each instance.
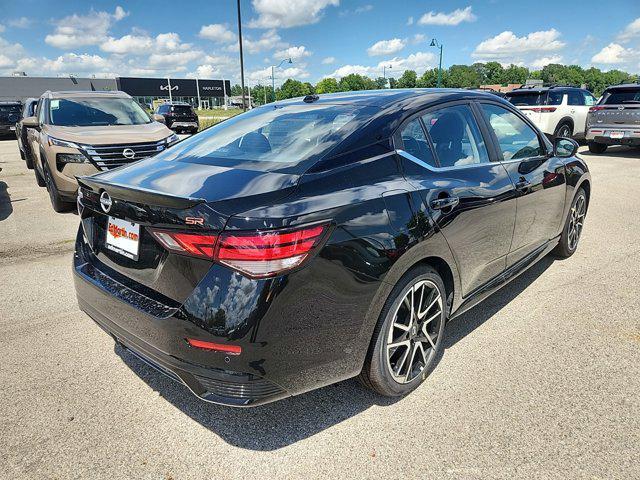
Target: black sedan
(313, 240)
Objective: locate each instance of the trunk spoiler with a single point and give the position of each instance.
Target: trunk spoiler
(138, 195)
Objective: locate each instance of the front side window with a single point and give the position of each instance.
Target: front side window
(456, 136)
(517, 139)
(96, 111)
(41, 111)
(415, 142)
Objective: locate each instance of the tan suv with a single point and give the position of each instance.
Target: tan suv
(82, 133)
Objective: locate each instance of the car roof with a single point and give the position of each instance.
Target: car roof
(624, 86)
(11, 102)
(87, 93)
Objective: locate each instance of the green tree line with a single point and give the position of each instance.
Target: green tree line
(456, 76)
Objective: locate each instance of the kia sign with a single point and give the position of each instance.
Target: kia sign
(180, 87)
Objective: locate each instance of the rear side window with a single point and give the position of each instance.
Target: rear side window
(525, 99)
(517, 139)
(456, 136)
(415, 142)
(555, 97)
(575, 98)
(620, 96)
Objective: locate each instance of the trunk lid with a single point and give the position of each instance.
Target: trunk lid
(619, 108)
(170, 195)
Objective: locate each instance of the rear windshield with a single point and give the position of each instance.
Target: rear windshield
(272, 137)
(94, 111)
(182, 109)
(526, 98)
(617, 97)
(10, 109)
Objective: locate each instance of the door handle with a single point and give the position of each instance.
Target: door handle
(445, 202)
(523, 184)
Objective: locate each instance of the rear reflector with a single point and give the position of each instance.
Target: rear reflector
(216, 347)
(258, 254)
(264, 254)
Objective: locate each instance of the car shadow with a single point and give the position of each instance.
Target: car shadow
(617, 151)
(6, 208)
(279, 424)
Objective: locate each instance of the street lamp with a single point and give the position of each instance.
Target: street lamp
(384, 74)
(273, 75)
(434, 43)
(244, 105)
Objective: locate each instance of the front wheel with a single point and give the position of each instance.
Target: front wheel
(597, 147)
(58, 204)
(573, 226)
(409, 334)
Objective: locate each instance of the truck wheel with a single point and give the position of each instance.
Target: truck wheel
(597, 147)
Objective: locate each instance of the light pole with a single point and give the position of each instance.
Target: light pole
(435, 43)
(384, 74)
(273, 75)
(244, 105)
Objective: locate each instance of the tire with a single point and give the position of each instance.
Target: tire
(597, 147)
(39, 180)
(574, 223)
(59, 205)
(22, 154)
(564, 130)
(396, 371)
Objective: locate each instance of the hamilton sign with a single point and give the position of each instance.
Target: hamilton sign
(161, 87)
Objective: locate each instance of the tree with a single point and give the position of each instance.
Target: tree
(515, 74)
(494, 73)
(408, 79)
(380, 82)
(393, 83)
(429, 78)
(291, 89)
(462, 76)
(354, 81)
(327, 85)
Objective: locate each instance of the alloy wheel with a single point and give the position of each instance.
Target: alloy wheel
(564, 131)
(576, 221)
(413, 334)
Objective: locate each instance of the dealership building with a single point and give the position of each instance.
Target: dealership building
(203, 93)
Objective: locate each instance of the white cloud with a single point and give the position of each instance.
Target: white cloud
(631, 31)
(218, 33)
(386, 47)
(74, 63)
(269, 40)
(22, 22)
(508, 48)
(1, 28)
(409, 21)
(288, 13)
(294, 53)
(419, 61)
(80, 30)
(170, 42)
(328, 60)
(127, 44)
(544, 61)
(6, 61)
(264, 75)
(356, 11)
(614, 54)
(173, 59)
(449, 19)
(418, 38)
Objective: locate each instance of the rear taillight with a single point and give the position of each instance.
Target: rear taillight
(258, 254)
(542, 109)
(264, 254)
(596, 108)
(196, 245)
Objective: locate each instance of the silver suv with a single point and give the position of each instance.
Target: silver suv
(615, 120)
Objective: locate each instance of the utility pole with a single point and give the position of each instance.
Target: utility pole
(435, 43)
(244, 105)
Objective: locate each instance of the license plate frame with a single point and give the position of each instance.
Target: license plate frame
(123, 237)
(616, 134)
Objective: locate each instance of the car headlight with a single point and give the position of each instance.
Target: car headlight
(70, 158)
(171, 139)
(61, 143)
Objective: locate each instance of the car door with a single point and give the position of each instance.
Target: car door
(538, 176)
(579, 110)
(471, 198)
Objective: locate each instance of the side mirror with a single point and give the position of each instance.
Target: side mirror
(30, 122)
(158, 118)
(564, 147)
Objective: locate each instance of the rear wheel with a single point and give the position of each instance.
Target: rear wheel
(573, 226)
(58, 204)
(409, 334)
(564, 130)
(597, 147)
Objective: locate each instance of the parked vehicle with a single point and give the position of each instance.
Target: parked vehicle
(558, 111)
(9, 115)
(81, 133)
(28, 110)
(179, 117)
(303, 243)
(615, 120)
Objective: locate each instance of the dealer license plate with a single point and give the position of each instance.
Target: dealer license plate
(616, 134)
(123, 237)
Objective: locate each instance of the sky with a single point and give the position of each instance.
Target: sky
(322, 37)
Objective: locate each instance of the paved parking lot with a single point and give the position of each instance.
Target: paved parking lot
(541, 381)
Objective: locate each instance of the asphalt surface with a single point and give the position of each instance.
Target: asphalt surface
(540, 381)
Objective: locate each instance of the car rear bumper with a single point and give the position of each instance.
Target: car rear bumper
(603, 135)
(296, 333)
